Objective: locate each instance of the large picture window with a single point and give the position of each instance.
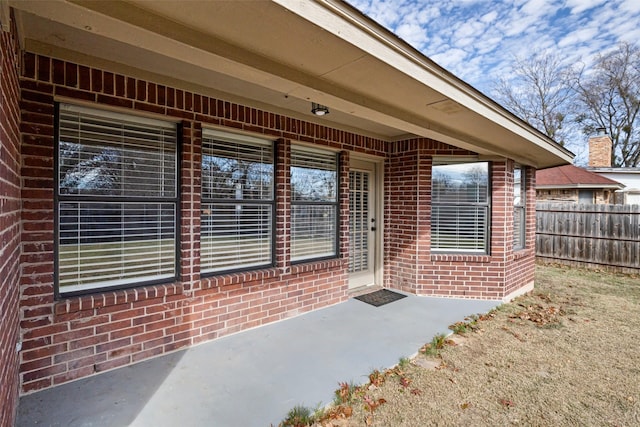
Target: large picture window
(116, 198)
(237, 202)
(518, 207)
(314, 204)
(460, 208)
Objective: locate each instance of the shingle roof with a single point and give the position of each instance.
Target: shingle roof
(570, 176)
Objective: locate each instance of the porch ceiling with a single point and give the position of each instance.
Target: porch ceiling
(279, 56)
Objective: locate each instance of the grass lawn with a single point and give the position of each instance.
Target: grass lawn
(567, 354)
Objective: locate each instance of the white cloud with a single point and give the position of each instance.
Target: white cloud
(412, 33)
(478, 39)
(579, 6)
(450, 59)
(632, 6)
(536, 8)
(577, 37)
(489, 17)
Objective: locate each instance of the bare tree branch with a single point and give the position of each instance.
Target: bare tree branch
(610, 98)
(538, 90)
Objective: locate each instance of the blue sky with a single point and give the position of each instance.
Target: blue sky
(477, 39)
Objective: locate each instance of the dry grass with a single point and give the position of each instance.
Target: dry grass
(567, 354)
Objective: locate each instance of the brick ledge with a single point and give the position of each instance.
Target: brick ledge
(111, 298)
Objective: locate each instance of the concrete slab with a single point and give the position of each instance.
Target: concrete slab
(252, 378)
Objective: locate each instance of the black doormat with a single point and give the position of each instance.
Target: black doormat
(381, 297)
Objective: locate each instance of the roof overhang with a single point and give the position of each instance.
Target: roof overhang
(281, 55)
(581, 187)
(631, 171)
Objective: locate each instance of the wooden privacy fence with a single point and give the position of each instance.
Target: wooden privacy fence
(595, 236)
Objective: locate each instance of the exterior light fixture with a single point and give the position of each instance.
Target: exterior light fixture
(319, 110)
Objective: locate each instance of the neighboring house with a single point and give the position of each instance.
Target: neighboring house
(166, 183)
(600, 156)
(574, 184)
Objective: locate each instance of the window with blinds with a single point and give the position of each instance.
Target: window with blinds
(237, 217)
(116, 192)
(460, 209)
(518, 207)
(314, 204)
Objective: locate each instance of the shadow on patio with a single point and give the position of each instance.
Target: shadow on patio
(252, 378)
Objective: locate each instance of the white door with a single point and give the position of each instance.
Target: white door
(362, 224)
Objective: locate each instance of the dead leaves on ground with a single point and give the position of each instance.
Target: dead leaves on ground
(539, 314)
(405, 382)
(507, 403)
(376, 378)
(538, 309)
(371, 405)
(348, 395)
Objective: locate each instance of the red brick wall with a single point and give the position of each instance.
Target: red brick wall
(79, 336)
(521, 263)
(74, 337)
(9, 223)
(409, 263)
(401, 216)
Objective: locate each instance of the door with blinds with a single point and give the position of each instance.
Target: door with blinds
(362, 224)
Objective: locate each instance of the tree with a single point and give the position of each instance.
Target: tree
(538, 89)
(610, 99)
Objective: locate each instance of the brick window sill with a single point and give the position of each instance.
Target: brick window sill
(238, 278)
(522, 253)
(112, 298)
(461, 258)
(317, 265)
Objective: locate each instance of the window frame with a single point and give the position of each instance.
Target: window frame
(59, 199)
(335, 205)
(236, 138)
(486, 231)
(520, 209)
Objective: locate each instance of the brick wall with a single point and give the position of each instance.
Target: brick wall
(74, 337)
(600, 151)
(9, 223)
(472, 276)
(572, 196)
(409, 263)
(401, 216)
(520, 265)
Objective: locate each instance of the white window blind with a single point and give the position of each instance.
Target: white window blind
(460, 207)
(359, 226)
(237, 203)
(518, 207)
(117, 200)
(314, 207)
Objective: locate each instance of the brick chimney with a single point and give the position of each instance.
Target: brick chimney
(600, 146)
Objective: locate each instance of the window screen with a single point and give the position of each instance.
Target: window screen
(237, 202)
(460, 207)
(314, 204)
(116, 200)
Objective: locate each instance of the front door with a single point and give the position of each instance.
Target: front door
(362, 224)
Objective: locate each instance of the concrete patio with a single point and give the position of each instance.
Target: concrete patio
(255, 377)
